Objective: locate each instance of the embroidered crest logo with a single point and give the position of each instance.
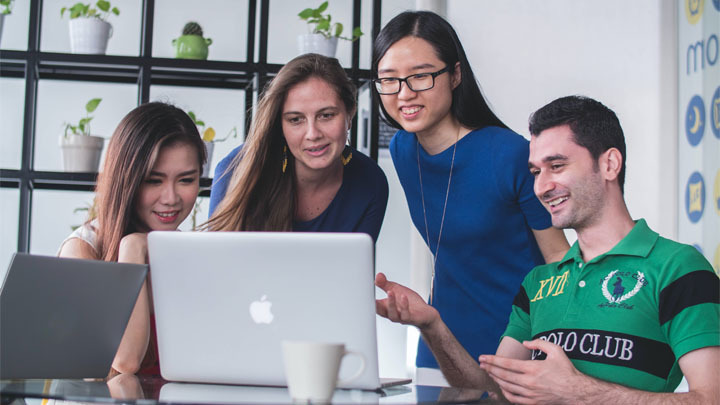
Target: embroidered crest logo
(618, 294)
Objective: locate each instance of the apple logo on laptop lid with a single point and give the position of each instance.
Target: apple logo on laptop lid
(260, 311)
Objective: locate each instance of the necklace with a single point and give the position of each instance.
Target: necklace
(442, 219)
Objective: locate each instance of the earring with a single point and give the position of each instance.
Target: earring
(284, 164)
(346, 159)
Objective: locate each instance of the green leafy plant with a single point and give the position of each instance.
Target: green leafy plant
(322, 24)
(208, 134)
(83, 126)
(6, 6)
(91, 210)
(101, 10)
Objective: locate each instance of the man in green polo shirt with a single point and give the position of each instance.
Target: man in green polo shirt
(622, 317)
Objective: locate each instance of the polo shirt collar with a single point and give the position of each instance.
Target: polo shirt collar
(638, 242)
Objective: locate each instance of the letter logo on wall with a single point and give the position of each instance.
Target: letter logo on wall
(695, 120)
(715, 112)
(694, 10)
(695, 197)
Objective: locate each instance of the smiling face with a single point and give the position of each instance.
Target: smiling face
(315, 124)
(567, 179)
(168, 194)
(425, 111)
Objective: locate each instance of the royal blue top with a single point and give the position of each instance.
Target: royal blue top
(487, 244)
(358, 206)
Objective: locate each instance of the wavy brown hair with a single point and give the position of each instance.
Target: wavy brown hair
(260, 196)
(131, 155)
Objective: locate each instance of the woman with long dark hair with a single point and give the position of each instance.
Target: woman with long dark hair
(149, 181)
(466, 180)
(295, 171)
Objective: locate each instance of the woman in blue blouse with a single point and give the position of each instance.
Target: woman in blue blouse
(466, 180)
(295, 171)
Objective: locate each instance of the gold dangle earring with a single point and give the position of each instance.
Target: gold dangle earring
(284, 164)
(345, 159)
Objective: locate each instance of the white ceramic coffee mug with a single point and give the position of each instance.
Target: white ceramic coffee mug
(311, 369)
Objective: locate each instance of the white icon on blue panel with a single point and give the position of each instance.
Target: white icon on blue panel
(695, 197)
(695, 120)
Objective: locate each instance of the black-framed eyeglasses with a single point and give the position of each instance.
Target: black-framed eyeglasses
(416, 82)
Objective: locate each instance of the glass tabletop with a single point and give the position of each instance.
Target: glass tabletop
(128, 388)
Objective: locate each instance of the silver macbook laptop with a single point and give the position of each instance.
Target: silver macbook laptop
(64, 318)
(224, 301)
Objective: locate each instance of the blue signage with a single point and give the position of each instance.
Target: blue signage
(695, 197)
(695, 120)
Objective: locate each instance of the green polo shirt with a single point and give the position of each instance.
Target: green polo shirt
(625, 316)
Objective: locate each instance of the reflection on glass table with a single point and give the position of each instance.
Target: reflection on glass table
(125, 388)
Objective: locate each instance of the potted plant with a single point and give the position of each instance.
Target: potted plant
(89, 208)
(324, 33)
(89, 29)
(208, 137)
(80, 150)
(191, 44)
(5, 9)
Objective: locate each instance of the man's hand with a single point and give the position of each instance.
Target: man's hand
(404, 305)
(553, 380)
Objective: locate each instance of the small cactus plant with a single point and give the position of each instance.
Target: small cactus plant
(192, 28)
(191, 44)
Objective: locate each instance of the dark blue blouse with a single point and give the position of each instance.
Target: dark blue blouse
(358, 206)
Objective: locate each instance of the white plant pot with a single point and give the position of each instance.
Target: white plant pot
(89, 35)
(81, 153)
(317, 43)
(209, 147)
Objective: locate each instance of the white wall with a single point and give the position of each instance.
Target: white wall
(527, 53)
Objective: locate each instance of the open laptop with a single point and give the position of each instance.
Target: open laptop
(64, 318)
(224, 302)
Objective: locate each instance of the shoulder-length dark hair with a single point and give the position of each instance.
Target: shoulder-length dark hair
(131, 155)
(468, 104)
(260, 196)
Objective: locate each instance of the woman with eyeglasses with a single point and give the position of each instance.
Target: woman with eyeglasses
(466, 180)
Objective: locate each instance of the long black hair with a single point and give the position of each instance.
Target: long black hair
(468, 104)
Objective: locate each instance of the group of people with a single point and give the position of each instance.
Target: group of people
(489, 204)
